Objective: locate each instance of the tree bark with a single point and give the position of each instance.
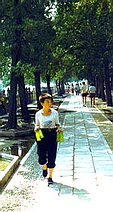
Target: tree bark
(23, 100)
(112, 81)
(102, 88)
(107, 81)
(98, 87)
(48, 84)
(59, 88)
(62, 87)
(16, 56)
(38, 88)
(12, 119)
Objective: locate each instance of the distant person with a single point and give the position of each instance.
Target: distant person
(72, 88)
(92, 90)
(8, 92)
(68, 90)
(84, 93)
(77, 89)
(47, 120)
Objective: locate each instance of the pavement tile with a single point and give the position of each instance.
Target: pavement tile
(83, 172)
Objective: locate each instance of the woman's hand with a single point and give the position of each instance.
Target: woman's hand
(36, 128)
(58, 129)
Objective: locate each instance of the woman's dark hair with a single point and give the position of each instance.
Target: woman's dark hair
(83, 83)
(44, 96)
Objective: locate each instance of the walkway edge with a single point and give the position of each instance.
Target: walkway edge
(28, 154)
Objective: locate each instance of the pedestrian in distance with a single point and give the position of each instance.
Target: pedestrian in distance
(92, 90)
(47, 120)
(77, 89)
(72, 88)
(84, 91)
(68, 90)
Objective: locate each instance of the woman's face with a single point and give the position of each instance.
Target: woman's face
(47, 104)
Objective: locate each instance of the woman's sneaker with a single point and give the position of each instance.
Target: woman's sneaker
(44, 173)
(50, 181)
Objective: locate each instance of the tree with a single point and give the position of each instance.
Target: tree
(106, 31)
(87, 39)
(11, 21)
(27, 42)
(16, 56)
(38, 40)
(23, 100)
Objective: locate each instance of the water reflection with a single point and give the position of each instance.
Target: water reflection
(21, 145)
(4, 163)
(18, 147)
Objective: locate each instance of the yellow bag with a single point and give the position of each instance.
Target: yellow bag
(39, 135)
(2, 99)
(60, 137)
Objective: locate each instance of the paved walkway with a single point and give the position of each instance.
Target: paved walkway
(83, 176)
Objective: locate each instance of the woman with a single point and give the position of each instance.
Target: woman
(84, 93)
(92, 90)
(47, 120)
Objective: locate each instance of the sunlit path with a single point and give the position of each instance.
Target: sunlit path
(83, 176)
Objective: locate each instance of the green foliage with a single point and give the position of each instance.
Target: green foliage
(36, 34)
(84, 33)
(70, 44)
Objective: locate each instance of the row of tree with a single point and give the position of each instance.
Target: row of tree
(55, 39)
(85, 35)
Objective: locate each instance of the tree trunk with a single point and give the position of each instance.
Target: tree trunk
(16, 56)
(12, 119)
(102, 88)
(98, 87)
(57, 86)
(23, 100)
(48, 84)
(112, 81)
(107, 81)
(62, 87)
(37, 86)
(59, 89)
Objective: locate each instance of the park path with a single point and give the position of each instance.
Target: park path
(83, 176)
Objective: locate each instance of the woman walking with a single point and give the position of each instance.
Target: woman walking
(92, 90)
(84, 93)
(47, 120)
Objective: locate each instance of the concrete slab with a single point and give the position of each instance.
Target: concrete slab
(7, 172)
(87, 134)
(84, 169)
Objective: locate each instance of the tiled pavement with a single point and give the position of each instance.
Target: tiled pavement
(83, 175)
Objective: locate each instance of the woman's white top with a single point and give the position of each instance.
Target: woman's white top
(92, 89)
(48, 121)
(84, 88)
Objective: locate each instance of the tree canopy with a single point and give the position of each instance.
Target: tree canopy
(58, 39)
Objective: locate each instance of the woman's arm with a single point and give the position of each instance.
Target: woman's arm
(37, 124)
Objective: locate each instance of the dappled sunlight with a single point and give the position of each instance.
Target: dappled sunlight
(83, 176)
(94, 110)
(107, 122)
(86, 196)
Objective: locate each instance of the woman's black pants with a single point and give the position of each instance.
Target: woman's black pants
(47, 148)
